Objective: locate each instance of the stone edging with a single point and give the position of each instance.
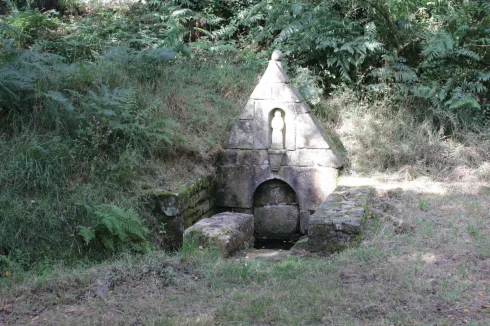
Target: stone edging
(338, 222)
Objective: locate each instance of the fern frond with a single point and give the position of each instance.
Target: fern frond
(86, 234)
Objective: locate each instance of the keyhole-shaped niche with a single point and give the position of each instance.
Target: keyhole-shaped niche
(277, 129)
(276, 210)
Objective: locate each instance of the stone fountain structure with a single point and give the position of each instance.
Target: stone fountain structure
(278, 177)
(278, 164)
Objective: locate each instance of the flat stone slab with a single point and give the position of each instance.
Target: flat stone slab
(227, 230)
(276, 219)
(338, 222)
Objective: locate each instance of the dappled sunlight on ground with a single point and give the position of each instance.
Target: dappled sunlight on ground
(422, 184)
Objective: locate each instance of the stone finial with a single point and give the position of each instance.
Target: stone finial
(276, 55)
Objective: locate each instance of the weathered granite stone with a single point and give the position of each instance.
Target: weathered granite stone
(248, 112)
(274, 73)
(313, 157)
(241, 135)
(275, 158)
(252, 157)
(276, 219)
(170, 203)
(304, 221)
(302, 107)
(276, 55)
(228, 157)
(309, 135)
(262, 91)
(274, 192)
(311, 184)
(337, 224)
(181, 208)
(227, 230)
(286, 92)
(238, 184)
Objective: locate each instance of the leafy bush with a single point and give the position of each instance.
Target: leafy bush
(26, 27)
(115, 229)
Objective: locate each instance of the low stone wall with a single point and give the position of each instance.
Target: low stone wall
(182, 208)
(338, 222)
(229, 231)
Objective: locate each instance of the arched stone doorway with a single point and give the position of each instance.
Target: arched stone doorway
(276, 211)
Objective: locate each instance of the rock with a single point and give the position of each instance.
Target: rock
(227, 230)
(338, 222)
(274, 192)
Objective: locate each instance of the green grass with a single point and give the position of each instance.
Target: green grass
(135, 131)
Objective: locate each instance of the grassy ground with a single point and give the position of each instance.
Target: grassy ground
(425, 260)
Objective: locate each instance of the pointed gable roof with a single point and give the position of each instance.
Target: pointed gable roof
(302, 132)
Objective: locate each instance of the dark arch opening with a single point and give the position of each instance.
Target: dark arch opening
(276, 211)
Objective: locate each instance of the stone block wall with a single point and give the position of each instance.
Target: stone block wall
(182, 208)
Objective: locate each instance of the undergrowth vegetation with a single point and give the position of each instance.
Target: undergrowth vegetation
(95, 101)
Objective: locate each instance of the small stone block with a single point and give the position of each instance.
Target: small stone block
(227, 230)
(286, 93)
(248, 111)
(304, 221)
(241, 136)
(276, 219)
(262, 92)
